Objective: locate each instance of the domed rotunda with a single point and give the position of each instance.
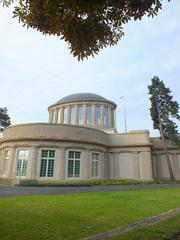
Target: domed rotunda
(84, 109)
(80, 142)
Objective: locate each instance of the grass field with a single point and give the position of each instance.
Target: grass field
(166, 230)
(74, 216)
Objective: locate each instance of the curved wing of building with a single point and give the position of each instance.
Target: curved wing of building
(80, 142)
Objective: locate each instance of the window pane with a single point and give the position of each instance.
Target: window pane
(105, 116)
(50, 168)
(44, 153)
(72, 115)
(95, 165)
(43, 168)
(77, 169)
(70, 168)
(80, 115)
(96, 169)
(112, 118)
(71, 154)
(92, 169)
(77, 155)
(98, 115)
(18, 168)
(89, 114)
(52, 153)
(95, 156)
(24, 167)
(21, 165)
(65, 115)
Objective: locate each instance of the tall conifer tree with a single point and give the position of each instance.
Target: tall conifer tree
(163, 110)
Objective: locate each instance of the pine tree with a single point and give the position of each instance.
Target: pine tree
(5, 120)
(163, 110)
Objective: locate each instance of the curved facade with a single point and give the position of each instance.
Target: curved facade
(56, 151)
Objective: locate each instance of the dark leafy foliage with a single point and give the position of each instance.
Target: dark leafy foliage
(86, 25)
(4, 118)
(162, 103)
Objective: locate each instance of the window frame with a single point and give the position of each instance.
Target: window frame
(98, 161)
(22, 162)
(47, 163)
(65, 115)
(67, 163)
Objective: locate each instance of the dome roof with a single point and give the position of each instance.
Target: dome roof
(81, 96)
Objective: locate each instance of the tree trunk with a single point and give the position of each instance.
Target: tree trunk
(171, 174)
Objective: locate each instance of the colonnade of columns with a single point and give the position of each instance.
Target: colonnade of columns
(97, 115)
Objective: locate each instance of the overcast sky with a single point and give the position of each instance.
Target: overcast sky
(36, 71)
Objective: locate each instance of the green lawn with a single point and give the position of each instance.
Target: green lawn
(166, 230)
(74, 216)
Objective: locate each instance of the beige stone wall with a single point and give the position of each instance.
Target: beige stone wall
(159, 162)
(121, 156)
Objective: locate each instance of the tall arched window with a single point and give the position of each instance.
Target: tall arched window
(98, 115)
(89, 115)
(80, 114)
(105, 116)
(72, 115)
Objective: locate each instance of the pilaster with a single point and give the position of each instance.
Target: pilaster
(12, 162)
(32, 163)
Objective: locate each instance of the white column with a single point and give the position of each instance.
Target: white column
(59, 115)
(50, 116)
(68, 114)
(56, 116)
